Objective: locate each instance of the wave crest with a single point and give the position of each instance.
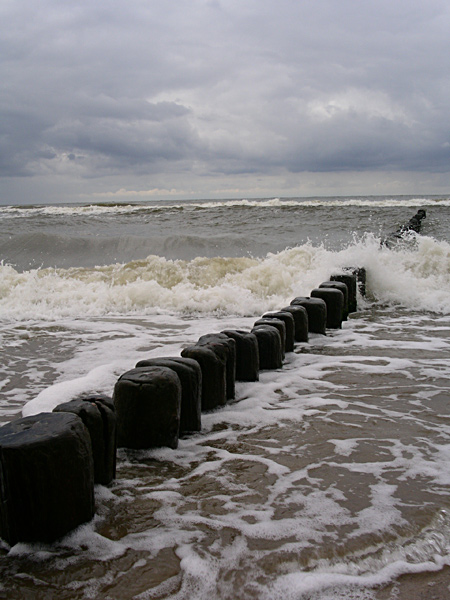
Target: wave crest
(416, 278)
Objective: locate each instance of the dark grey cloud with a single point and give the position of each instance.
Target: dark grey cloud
(211, 89)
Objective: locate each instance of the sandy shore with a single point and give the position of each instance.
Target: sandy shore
(423, 586)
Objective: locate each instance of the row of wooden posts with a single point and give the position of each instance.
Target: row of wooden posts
(50, 462)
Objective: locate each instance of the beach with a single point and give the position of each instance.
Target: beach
(326, 479)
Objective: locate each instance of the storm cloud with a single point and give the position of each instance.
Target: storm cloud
(203, 97)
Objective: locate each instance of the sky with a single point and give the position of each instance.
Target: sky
(130, 100)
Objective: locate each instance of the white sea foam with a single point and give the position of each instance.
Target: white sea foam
(104, 349)
(415, 278)
(258, 487)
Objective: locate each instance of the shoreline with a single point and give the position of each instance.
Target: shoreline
(429, 585)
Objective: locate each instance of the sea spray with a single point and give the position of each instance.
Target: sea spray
(413, 277)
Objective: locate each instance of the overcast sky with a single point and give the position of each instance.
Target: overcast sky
(140, 99)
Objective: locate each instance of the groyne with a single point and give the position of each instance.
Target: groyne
(49, 463)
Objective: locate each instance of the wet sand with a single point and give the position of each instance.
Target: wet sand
(421, 586)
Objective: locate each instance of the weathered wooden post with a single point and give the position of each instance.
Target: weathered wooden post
(289, 323)
(338, 285)
(351, 283)
(225, 347)
(190, 375)
(148, 405)
(98, 414)
(270, 346)
(280, 326)
(334, 300)
(301, 321)
(46, 477)
(361, 276)
(214, 382)
(317, 312)
(247, 355)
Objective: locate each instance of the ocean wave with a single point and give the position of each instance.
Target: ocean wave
(51, 249)
(98, 209)
(67, 210)
(416, 278)
(371, 201)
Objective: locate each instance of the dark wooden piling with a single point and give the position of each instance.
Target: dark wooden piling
(317, 313)
(338, 285)
(225, 347)
(288, 320)
(280, 326)
(214, 375)
(190, 375)
(148, 406)
(334, 299)
(300, 321)
(247, 354)
(46, 477)
(351, 283)
(270, 346)
(98, 414)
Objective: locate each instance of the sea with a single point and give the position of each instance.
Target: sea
(327, 479)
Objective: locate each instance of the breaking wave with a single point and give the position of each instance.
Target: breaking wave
(416, 278)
